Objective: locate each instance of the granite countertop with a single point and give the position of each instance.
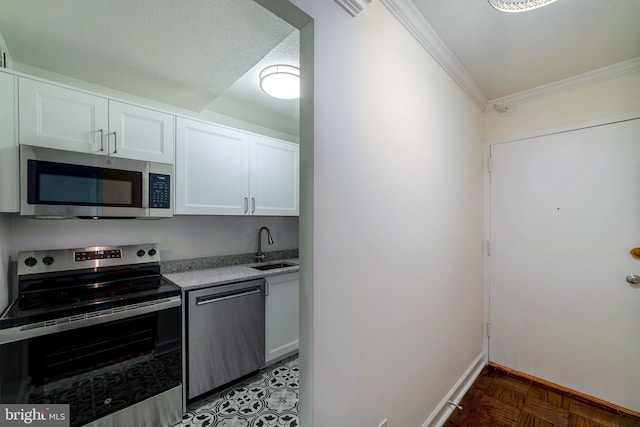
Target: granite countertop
(197, 279)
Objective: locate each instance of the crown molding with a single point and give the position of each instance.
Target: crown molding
(591, 77)
(353, 6)
(409, 16)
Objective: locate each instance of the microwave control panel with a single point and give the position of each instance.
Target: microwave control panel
(159, 191)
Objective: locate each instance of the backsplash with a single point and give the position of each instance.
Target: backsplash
(180, 237)
(178, 265)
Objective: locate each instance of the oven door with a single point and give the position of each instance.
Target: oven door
(100, 369)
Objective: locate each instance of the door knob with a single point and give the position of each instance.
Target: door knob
(633, 279)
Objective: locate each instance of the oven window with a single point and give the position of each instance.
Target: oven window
(97, 370)
(63, 184)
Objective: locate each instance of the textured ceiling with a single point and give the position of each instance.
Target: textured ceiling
(246, 101)
(206, 54)
(178, 52)
(507, 53)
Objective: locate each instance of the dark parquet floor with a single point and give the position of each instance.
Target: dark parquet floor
(497, 399)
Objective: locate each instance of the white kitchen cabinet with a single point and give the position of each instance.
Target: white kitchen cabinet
(140, 133)
(9, 200)
(52, 116)
(281, 316)
(223, 171)
(275, 177)
(212, 169)
(56, 117)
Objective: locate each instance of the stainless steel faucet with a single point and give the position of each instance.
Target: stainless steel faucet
(260, 256)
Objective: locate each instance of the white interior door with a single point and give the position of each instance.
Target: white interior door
(565, 212)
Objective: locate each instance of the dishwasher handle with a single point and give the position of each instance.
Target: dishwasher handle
(215, 298)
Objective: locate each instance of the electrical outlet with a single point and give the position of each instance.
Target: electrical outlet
(383, 423)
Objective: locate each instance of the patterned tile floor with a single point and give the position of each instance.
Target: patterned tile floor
(269, 399)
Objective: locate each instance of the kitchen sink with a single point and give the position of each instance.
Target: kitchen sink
(273, 266)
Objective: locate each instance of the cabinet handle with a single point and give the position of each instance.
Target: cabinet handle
(266, 288)
(101, 139)
(115, 143)
(246, 205)
(253, 205)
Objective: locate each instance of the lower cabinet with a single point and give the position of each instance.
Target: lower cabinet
(281, 316)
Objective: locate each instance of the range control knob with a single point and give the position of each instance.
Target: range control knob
(152, 252)
(30, 262)
(48, 260)
(140, 253)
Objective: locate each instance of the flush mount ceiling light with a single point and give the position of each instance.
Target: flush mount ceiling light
(518, 5)
(281, 81)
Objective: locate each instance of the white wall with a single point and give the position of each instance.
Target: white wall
(397, 224)
(5, 241)
(178, 237)
(607, 98)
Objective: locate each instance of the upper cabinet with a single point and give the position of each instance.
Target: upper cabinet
(223, 171)
(212, 169)
(218, 170)
(8, 144)
(139, 133)
(57, 117)
(275, 177)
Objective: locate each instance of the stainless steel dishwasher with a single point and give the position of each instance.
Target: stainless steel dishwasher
(225, 334)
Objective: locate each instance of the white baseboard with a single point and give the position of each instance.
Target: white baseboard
(442, 412)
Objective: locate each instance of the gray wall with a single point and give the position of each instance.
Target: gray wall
(178, 237)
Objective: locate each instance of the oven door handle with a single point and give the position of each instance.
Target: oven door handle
(19, 333)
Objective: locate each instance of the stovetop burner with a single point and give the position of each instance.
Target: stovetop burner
(67, 284)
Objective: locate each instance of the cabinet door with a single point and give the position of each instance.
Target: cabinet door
(212, 169)
(281, 316)
(139, 133)
(8, 144)
(55, 117)
(275, 175)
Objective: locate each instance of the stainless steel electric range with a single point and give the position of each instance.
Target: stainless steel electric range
(99, 329)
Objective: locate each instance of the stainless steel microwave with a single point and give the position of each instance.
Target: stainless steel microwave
(66, 184)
